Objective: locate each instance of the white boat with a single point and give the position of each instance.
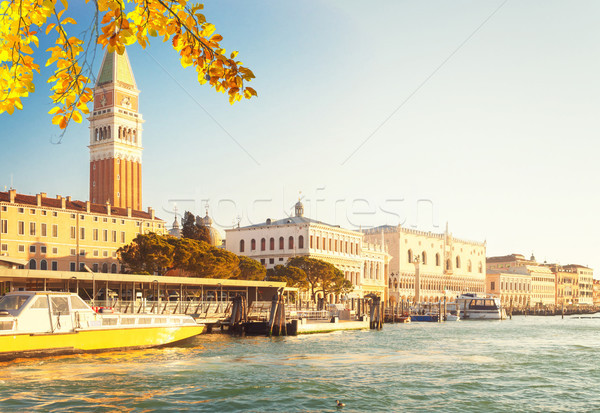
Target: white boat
(35, 323)
(474, 307)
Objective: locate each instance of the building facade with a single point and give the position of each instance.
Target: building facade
(60, 234)
(116, 136)
(427, 267)
(513, 289)
(275, 242)
(585, 277)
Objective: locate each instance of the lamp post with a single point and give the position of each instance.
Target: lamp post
(155, 293)
(85, 267)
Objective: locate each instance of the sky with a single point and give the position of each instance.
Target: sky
(480, 114)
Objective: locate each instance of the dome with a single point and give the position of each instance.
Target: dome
(215, 237)
(207, 220)
(299, 208)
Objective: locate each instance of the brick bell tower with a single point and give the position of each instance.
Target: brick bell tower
(116, 136)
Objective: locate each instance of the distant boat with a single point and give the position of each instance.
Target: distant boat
(473, 307)
(34, 323)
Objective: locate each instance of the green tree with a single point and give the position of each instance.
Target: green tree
(321, 276)
(146, 254)
(250, 269)
(293, 276)
(192, 229)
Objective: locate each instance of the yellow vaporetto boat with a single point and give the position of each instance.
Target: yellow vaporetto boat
(34, 323)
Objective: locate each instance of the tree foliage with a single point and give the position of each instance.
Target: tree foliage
(114, 25)
(321, 276)
(152, 253)
(293, 276)
(191, 228)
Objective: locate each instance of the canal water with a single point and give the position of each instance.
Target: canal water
(524, 364)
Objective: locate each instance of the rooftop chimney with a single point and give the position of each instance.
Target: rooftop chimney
(38, 199)
(87, 206)
(108, 207)
(12, 194)
(128, 212)
(151, 212)
(68, 199)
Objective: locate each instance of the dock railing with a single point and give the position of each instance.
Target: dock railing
(201, 309)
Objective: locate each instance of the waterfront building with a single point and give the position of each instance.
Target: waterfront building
(513, 289)
(275, 242)
(428, 267)
(596, 293)
(567, 285)
(585, 276)
(116, 136)
(61, 234)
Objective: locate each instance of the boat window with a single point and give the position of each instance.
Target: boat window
(6, 325)
(13, 302)
(60, 305)
(78, 304)
(40, 302)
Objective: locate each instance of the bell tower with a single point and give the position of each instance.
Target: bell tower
(116, 136)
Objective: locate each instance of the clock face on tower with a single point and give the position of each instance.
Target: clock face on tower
(126, 102)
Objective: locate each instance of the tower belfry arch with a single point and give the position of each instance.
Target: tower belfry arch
(116, 136)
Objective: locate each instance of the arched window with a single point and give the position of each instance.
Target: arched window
(424, 257)
(469, 266)
(324, 243)
(410, 256)
(301, 242)
(448, 264)
(281, 243)
(437, 259)
(241, 245)
(346, 249)
(457, 261)
(105, 268)
(272, 244)
(480, 268)
(43, 265)
(263, 244)
(291, 243)
(253, 244)
(113, 268)
(32, 264)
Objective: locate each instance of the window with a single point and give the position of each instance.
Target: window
(21, 210)
(114, 220)
(480, 268)
(272, 244)
(105, 254)
(493, 285)
(32, 211)
(21, 248)
(330, 249)
(311, 242)
(82, 233)
(32, 228)
(241, 245)
(4, 226)
(55, 230)
(82, 217)
(281, 243)
(4, 209)
(317, 242)
(271, 260)
(82, 253)
(410, 256)
(43, 249)
(81, 266)
(54, 265)
(72, 266)
(424, 257)
(263, 244)
(437, 260)
(43, 230)
(95, 267)
(96, 253)
(73, 232)
(105, 268)
(113, 268)
(95, 234)
(123, 237)
(32, 249)
(301, 242)
(21, 226)
(457, 261)
(32, 264)
(73, 252)
(106, 220)
(114, 236)
(105, 235)
(72, 216)
(469, 266)
(44, 212)
(54, 214)
(95, 219)
(291, 243)
(262, 261)
(4, 247)
(44, 265)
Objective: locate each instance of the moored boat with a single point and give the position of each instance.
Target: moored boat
(474, 307)
(34, 323)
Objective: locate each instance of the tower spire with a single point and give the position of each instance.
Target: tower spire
(116, 136)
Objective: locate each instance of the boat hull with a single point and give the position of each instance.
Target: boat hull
(90, 340)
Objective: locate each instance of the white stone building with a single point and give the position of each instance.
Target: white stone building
(275, 242)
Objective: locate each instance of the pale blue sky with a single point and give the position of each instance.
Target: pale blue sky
(501, 140)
